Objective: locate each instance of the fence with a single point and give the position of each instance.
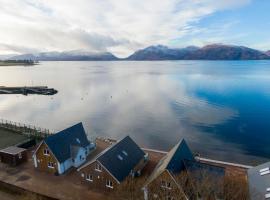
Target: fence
(25, 129)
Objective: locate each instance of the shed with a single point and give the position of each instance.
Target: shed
(13, 155)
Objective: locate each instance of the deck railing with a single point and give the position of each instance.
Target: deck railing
(25, 129)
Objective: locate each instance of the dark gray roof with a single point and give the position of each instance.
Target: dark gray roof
(60, 143)
(258, 183)
(121, 158)
(173, 161)
(201, 171)
(200, 174)
(181, 153)
(13, 150)
(204, 169)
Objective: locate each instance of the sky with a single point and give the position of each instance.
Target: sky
(124, 26)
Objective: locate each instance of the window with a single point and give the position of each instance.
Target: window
(46, 152)
(165, 184)
(120, 157)
(82, 175)
(98, 167)
(125, 153)
(50, 165)
(20, 155)
(169, 198)
(89, 177)
(109, 184)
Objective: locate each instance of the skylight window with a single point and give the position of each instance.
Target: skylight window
(120, 157)
(264, 169)
(265, 172)
(125, 153)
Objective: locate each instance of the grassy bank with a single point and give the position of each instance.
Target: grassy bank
(8, 138)
(17, 62)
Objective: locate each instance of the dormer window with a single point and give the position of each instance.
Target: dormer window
(98, 167)
(46, 152)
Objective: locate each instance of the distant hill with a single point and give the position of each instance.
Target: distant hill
(160, 52)
(66, 56)
(7, 56)
(209, 52)
(267, 53)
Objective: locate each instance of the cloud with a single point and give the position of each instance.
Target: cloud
(120, 26)
(17, 49)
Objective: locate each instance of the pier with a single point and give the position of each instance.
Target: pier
(40, 90)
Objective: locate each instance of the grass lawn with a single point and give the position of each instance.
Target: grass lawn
(8, 138)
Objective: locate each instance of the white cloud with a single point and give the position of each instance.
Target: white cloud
(120, 26)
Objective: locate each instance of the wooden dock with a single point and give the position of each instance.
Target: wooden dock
(25, 129)
(40, 90)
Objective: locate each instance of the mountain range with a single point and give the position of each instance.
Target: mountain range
(158, 52)
(66, 56)
(209, 52)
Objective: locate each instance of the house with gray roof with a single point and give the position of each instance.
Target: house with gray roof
(63, 150)
(167, 182)
(259, 182)
(113, 165)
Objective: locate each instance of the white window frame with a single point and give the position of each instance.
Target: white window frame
(51, 165)
(109, 184)
(20, 155)
(165, 184)
(169, 197)
(89, 177)
(98, 167)
(46, 152)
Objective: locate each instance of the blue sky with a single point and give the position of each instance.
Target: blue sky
(123, 26)
(247, 25)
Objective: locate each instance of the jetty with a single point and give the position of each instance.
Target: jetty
(40, 90)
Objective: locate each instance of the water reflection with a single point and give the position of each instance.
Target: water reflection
(217, 106)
